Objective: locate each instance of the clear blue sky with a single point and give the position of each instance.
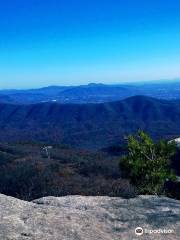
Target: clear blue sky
(68, 42)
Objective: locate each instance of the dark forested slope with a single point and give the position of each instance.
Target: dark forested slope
(89, 125)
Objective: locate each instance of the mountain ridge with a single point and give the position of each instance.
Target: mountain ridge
(89, 125)
(92, 93)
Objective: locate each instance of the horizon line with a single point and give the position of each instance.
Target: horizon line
(100, 83)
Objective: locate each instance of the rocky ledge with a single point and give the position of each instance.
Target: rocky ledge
(89, 218)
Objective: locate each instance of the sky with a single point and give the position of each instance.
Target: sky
(72, 42)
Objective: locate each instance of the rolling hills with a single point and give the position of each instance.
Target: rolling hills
(89, 125)
(92, 93)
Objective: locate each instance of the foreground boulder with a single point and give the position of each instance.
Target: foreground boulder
(89, 218)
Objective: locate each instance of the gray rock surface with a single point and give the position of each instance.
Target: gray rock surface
(88, 218)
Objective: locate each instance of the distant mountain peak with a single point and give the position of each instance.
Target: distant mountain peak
(95, 84)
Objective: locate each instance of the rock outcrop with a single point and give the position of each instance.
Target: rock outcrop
(89, 218)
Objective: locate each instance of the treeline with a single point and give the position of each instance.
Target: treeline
(32, 170)
(27, 172)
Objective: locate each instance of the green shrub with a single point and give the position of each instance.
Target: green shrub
(147, 164)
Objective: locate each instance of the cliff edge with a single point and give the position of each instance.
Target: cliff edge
(89, 218)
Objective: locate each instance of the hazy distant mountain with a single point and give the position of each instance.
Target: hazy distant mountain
(48, 90)
(97, 93)
(89, 125)
(93, 93)
(33, 95)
